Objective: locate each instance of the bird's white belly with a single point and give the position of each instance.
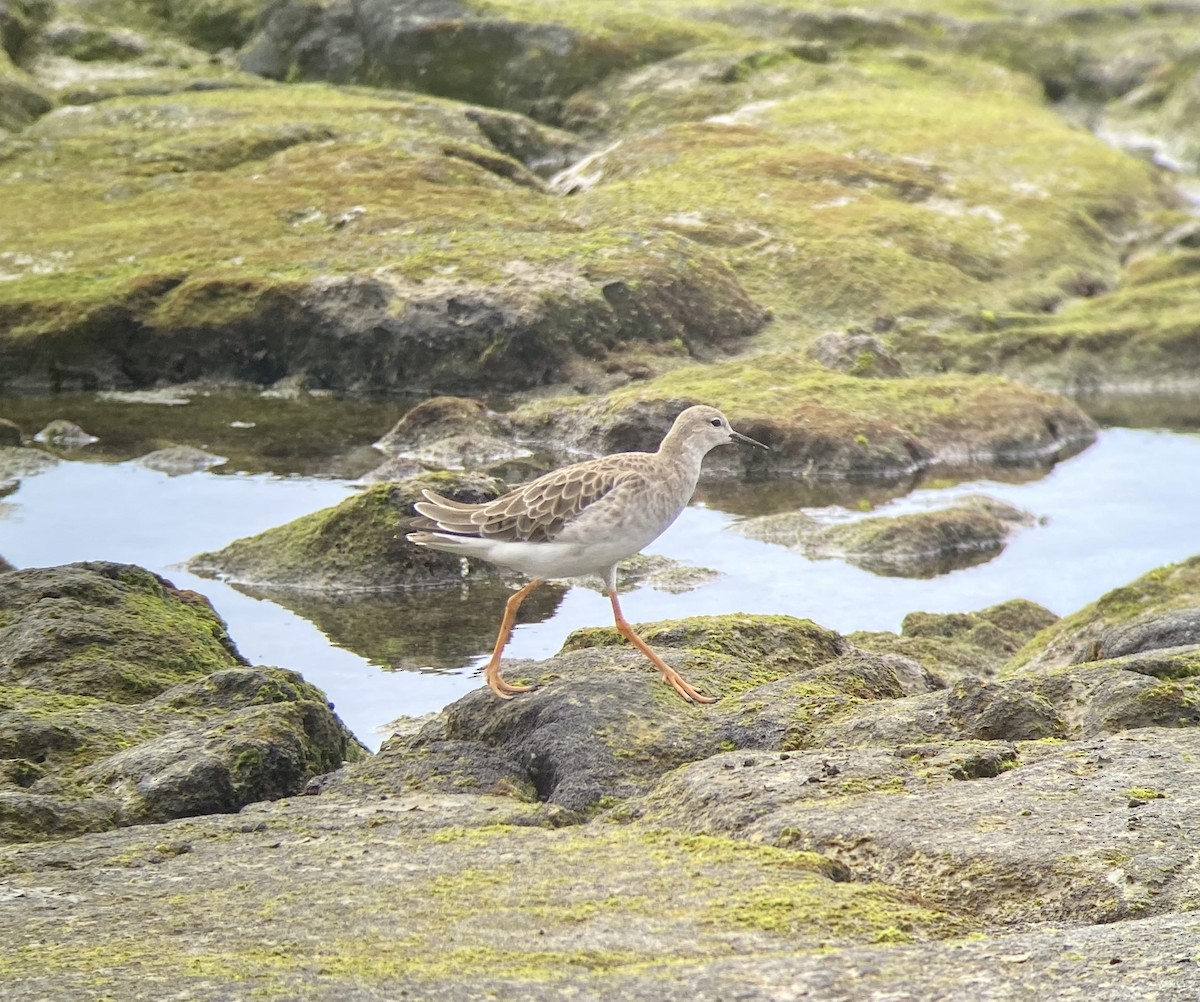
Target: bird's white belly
(562, 560)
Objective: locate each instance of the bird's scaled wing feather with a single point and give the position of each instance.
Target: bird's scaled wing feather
(535, 512)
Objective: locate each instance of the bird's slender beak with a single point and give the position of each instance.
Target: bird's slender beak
(747, 440)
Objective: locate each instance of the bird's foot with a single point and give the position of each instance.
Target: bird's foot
(503, 689)
(684, 688)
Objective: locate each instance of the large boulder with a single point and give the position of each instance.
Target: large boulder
(123, 700)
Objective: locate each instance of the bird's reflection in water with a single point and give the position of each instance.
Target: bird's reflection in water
(433, 630)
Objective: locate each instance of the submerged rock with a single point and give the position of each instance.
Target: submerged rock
(652, 570)
(10, 434)
(62, 434)
(970, 531)
(123, 700)
(176, 460)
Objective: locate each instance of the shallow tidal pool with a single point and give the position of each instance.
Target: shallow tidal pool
(1122, 507)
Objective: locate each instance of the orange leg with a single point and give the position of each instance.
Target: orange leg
(669, 674)
(495, 680)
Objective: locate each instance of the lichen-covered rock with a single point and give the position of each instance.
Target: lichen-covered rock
(1052, 836)
(123, 700)
(357, 545)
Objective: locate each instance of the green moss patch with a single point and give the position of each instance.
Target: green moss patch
(357, 545)
(824, 424)
(1087, 635)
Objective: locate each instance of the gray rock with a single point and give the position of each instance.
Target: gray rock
(437, 46)
(855, 352)
(544, 150)
(122, 701)
(176, 460)
(452, 433)
(1054, 836)
(63, 434)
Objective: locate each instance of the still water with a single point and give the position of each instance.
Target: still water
(1122, 507)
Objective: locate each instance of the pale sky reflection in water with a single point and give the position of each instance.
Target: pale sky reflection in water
(1124, 506)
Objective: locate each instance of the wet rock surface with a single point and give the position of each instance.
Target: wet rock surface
(971, 531)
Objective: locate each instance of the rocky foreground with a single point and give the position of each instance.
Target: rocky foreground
(997, 805)
(843, 226)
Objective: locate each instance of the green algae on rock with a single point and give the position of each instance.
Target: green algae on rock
(955, 644)
(357, 545)
(123, 700)
(239, 210)
(1155, 613)
(921, 544)
(827, 425)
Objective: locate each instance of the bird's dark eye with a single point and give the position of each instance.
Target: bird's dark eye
(716, 422)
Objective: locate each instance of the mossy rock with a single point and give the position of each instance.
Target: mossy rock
(955, 644)
(357, 545)
(601, 725)
(22, 99)
(1160, 610)
(826, 425)
(111, 631)
(123, 700)
(923, 544)
(309, 184)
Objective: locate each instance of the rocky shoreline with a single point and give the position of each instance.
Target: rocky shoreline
(598, 836)
(890, 243)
